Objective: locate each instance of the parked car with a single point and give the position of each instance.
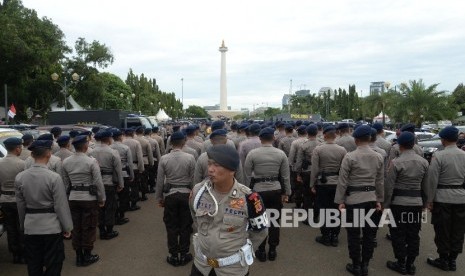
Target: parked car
(6, 133)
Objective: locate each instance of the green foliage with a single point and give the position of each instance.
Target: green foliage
(195, 111)
(458, 97)
(271, 111)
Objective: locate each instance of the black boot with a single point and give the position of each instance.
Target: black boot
(143, 198)
(79, 257)
(334, 240)
(88, 258)
(173, 260)
(411, 269)
(354, 268)
(185, 258)
(441, 262)
(261, 254)
(324, 240)
(364, 267)
(398, 266)
(18, 259)
(452, 261)
(134, 207)
(110, 234)
(272, 254)
(102, 232)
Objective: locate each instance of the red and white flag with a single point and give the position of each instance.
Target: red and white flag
(12, 111)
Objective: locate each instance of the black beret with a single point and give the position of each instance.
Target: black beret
(55, 130)
(218, 132)
(13, 141)
(103, 134)
(129, 130)
(329, 128)
(226, 156)
(298, 123)
(63, 139)
(406, 138)
(45, 144)
(243, 126)
(267, 132)
(362, 131)
(86, 133)
(217, 125)
(73, 133)
(116, 132)
(343, 126)
(312, 130)
(288, 127)
(190, 129)
(378, 126)
(155, 129)
(319, 125)
(178, 135)
(148, 130)
(302, 129)
(47, 136)
(140, 129)
(254, 128)
(234, 126)
(95, 129)
(27, 137)
(449, 133)
(306, 123)
(373, 132)
(176, 128)
(81, 139)
(408, 127)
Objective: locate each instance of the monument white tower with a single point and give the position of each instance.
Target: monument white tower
(223, 90)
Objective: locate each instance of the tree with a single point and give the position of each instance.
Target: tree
(271, 111)
(458, 97)
(195, 111)
(116, 93)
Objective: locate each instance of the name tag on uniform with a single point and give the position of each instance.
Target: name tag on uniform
(233, 211)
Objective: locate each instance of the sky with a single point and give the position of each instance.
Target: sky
(315, 43)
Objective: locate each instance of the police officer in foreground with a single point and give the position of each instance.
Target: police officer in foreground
(10, 167)
(174, 184)
(147, 156)
(27, 141)
(267, 170)
(44, 213)
(230, 218)
(405, 183)
(361, 187)
(295, 146)
(446, 200)
(137, 166)
(109, 162)
(81, 175)
(326, 163)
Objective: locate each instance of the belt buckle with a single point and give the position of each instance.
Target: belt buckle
(213, 262)
(367, 188)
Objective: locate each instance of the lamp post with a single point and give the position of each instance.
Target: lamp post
(386, 84)
(133, 96)
(65, 85)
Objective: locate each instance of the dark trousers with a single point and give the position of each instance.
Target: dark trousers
(13, 230)
(143, 181)
(292, 182)
(44, 251)
(308, 197)
(178, 222)
(325, 200)
(271, 200)
(364, 250)
(85, 217)
(405, 236)
(123, 198)
(449, 227)
(195, 272)
(107, 212)
(134, 188)
(152, 175)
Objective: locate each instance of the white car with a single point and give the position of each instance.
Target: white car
(6, 133)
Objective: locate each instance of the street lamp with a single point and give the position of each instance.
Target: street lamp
(65, 85)
(133, 96)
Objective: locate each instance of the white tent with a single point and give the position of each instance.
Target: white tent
(162, 116)
(379, 118)
(71, 101)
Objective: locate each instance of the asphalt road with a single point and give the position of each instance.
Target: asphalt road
(141, 249)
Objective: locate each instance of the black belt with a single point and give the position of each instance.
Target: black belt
(135, 162)
(40, 210)
(179, 186)
(329, 173)
(81, 188)
(409, 193)
(106, 173)
(265, 179)
(11, 193)
(440, 186)
(360, 189)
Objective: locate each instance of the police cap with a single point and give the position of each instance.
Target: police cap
(225, 156)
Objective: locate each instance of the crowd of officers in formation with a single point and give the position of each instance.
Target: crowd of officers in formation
(61, 186)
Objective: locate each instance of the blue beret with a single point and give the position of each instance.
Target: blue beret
(13, 141)
(55, 130)
(178, 135)
(116, 132)
(319, 125)
(243, 126)
(63, 139)
(27, 137)
(288, 127)
(306, 123)
(312, 130)
(208, 123)
(378, 126)
(86, 133)
(449, 133)
(140, 129)
(81, 139)
(217, 125)
(254, 128)
(218, 132)
(129, 130)
(362, 131)
(408, 127)
(103, 134)
(46, 144)
(374, 132)
(73, 133)
(302, 129)
(190, 129)
(234, 126)
(47, 136)
(292, 123)
(343, 126)
(176, 128)
(329, 128)
(95, 129)
(225, 156)
(298, 123)
(406, 138)
(279, 124)
(267, 132)
(148, 130)
(155, 129)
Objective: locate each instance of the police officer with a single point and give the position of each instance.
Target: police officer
(64, 143)
(191, 142)
(219, 124)
(380, 140)
(152, 170)
(279, 133)
(137, 166)
(10, 166)
(395, 152)
(54, 163)
(360, 189)
(252, 142)
(326, 163)
(44, 213)
(160, 140)
(295, 145)
(446, 200)
(81, 175)
(147, 155)
(405, 182)
(346, 140)
(174, 183)
(56, 131)
(27, 141)
(217, 137)
(241, 136)
(230, 218)
(285, 145)
(111, 170)
(127, 173)
(267, 170)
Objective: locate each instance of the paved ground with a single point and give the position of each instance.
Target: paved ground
(141, 250)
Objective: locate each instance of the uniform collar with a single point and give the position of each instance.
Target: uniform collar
(40, 166)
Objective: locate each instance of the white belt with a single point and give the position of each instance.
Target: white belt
(244, 256)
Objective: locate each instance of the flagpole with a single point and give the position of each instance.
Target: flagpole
(6, 105)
